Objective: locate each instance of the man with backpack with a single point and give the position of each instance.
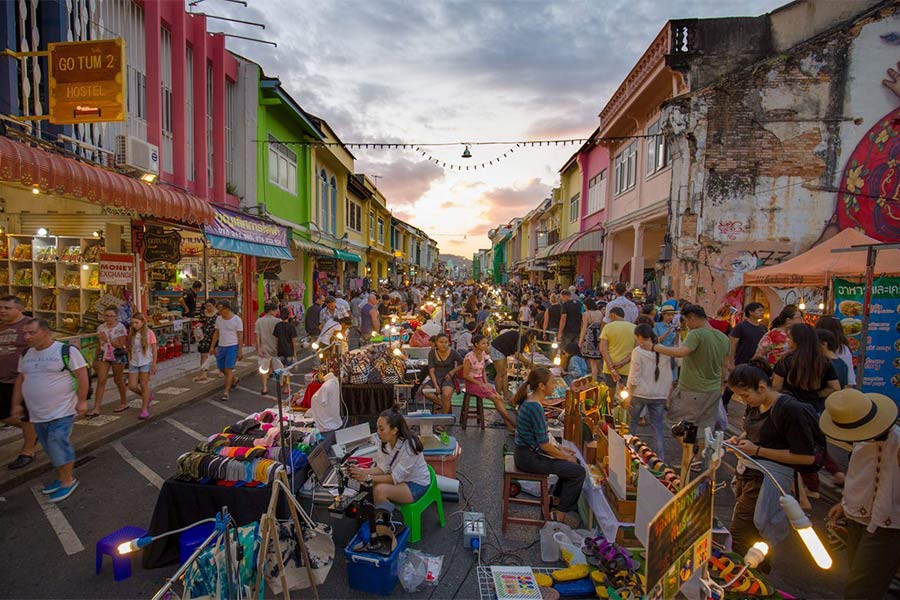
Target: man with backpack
(53, 381)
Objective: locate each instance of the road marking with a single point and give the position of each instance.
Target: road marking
(140, 467)
(173, 391)
(254, 392)
(184, 428)
(67, 536)
(219, 404)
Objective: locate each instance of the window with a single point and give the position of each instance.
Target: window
(334, 206)
(381, 231)
(282, 165)
(323, 204)
(354, 215)
(597, 192)
(209, 124)
(230, 99)
(573, 207)
(624, 169)
(657, 150)
(372, 225)
(166, 87)
(189, 111)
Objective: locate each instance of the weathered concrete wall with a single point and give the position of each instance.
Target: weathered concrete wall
(762, 159)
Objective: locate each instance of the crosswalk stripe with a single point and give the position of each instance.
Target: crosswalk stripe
(67, 536)
(184, 428)
(254, 392)
(219, 404)
(138, 466)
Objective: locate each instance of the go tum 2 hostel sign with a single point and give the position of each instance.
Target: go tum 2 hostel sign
(87, 81)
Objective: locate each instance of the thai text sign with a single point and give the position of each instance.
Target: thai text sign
(116, 269)
(237, 226)
(87, 81)
(679, 537)
(161, 246)
(882, 370)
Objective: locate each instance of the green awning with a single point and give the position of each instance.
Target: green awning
(346, 256)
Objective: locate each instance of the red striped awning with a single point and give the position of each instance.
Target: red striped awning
(56, 174)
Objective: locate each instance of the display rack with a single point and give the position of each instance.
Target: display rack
(486, 589)
(56, 277)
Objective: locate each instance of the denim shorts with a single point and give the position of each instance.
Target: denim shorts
(226, 357)
(140, 368)
(495, 354)
(416, 490)
(54, 437)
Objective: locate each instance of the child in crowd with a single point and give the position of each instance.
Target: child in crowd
(649, 383)
(141, 361)
(574, 365)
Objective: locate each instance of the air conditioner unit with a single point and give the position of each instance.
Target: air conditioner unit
(665, 253)
(135, 153)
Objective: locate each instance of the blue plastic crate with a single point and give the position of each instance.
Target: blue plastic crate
(373, 573)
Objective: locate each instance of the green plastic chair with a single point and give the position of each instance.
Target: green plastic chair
(412, 513)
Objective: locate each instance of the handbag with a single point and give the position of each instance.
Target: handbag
(357, 367)
(319, 546)
(206, 576)
(197, 331)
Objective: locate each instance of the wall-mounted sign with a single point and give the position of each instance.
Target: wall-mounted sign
(87, 81)
(161, 246)
(116, 269)
(237, 226)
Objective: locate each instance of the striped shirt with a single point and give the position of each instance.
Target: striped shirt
(531, 425)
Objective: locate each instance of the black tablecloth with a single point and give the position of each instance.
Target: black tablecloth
(181, 503)
(366, 402)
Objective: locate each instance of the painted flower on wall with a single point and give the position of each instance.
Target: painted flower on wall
(855, 180)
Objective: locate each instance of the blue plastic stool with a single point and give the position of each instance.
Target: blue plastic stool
(190, 540)
(109, 545)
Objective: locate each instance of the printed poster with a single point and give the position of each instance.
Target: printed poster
(515, 583)
(882, 371)
(116, 269)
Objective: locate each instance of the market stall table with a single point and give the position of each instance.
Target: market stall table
(366, 402)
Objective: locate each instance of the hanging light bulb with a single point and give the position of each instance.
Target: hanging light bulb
(557, 360)
(623, 394)
(821, 306)
(315, 345)
(339, 335)
(802, 305)
(42, 231)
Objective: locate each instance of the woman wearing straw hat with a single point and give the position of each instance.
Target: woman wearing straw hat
(871, 499)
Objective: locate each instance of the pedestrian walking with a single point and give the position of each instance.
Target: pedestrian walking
(649, 383)
(285, 338)
(227, 344)
(203, 332)
(843, 345)
(621, 300)
(369, 320)
(552, 316)
(569, 320)
(589, 338)
(142, 358)
(871, 498)
(266, 343)
(12, 346)
(773, 344)
(697, 397)
(311, 320)
(53, 384)
(112, 355)
(744, 338)
(616, 343)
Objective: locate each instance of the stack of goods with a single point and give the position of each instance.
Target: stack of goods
(73, 304)
(22, 252)
(4, 248)
(25, 299)
(4, 277)
(610, 571)
(643, 455)
(94, 279)
(71, 254)
(71, 279)
(374, 364)
(210, 468)
(47, 278)
(46, 254)
(48, 303)
(22, 277)
(92, 253)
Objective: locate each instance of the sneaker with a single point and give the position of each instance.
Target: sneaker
(51, 487)
(63, 492)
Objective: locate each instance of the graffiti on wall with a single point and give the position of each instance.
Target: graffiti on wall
(732, 230)
(754, 259)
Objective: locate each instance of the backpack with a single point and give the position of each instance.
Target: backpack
(65, 360)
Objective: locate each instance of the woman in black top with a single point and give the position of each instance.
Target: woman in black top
(552, 315)
(777, 428)
(443, 365)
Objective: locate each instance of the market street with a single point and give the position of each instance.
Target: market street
(55, 545)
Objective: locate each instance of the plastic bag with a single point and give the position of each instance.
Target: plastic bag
(433, 569)
(549, 545)
(411, 570)
(571, 552)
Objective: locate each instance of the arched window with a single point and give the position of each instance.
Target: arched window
(323, 204)
(334, 207)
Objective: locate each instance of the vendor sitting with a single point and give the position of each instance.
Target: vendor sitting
(400, 473)
(573, 363)
(535, 453)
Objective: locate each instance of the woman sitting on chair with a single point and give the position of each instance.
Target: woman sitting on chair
(535, 453)
(400, 473)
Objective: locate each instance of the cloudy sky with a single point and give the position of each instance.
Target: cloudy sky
(422, 71)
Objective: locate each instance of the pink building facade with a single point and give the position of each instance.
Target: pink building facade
(594, 162)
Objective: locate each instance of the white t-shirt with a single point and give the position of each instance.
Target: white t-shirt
(49, 388)
(641, 371)
(407, 465)
(139, 358)
(525, 314)
(265, 329)
(116, 331)
(325, 405)
(228, 330)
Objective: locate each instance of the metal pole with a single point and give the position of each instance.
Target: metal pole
(871, 253)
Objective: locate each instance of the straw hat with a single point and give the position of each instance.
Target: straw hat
(852, 416)
(668, 308)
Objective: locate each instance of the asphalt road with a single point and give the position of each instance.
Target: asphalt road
(49, 552)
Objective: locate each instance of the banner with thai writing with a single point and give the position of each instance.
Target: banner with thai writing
(238, 226)
(882, 371)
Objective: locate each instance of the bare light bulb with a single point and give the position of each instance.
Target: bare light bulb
(554, 345)
(802, 306)
(397, 352)
(624, 394)
(821, 306)
(802, 524)
(557, 360)
(339, 335)
(756, 554)
(315, 345)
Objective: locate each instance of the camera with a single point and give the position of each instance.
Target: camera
(685, 430)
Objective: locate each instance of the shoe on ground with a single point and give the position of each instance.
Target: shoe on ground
(22, 460)
(812, 494)
(63, 492)
(145, 414)
(51, 487)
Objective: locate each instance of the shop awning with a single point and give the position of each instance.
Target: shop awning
(544, 252)
(248, 248)
(590, 241)
(346, 256)
(565, 246)
(311, 247)
(236, 232)
(56, 174)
